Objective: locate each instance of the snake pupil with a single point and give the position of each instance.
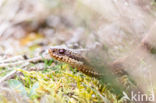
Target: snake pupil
(61, 51)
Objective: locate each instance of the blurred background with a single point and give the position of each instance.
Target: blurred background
(124, 31)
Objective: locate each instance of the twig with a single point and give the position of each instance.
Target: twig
(26, 62)
(31, 60)
(11, 64)
(12, 59)
(11, 74)
(8, 76)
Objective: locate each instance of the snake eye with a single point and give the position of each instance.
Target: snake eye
(61, 51)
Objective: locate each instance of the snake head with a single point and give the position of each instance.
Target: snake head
(57, 53)
(66, 55)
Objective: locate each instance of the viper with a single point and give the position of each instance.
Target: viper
(75, 59)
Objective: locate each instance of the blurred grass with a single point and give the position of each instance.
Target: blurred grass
(60, 84)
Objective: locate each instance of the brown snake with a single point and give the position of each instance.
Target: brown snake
(74, 59)
(77, 60)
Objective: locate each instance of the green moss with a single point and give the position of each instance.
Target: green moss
(63, 84)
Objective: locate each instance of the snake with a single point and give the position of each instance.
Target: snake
(74, 59)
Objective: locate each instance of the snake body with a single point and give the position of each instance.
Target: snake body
(74, 59)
